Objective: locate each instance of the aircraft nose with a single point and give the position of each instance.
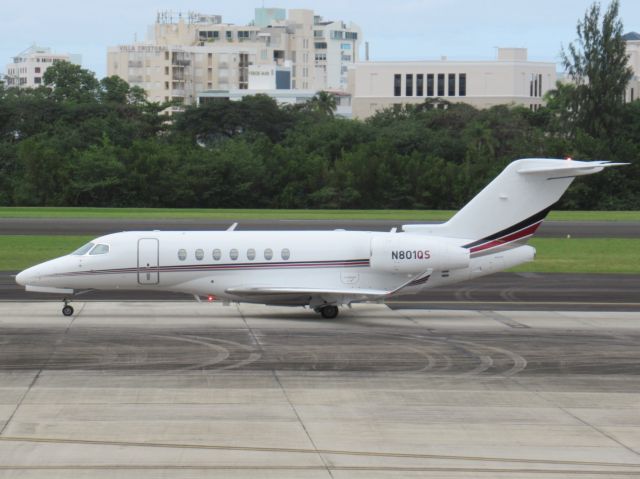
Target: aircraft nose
(26, 277)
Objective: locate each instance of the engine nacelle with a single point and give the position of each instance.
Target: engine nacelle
(407, 253)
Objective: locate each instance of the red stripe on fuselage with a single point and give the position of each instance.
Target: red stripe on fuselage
(528, 231)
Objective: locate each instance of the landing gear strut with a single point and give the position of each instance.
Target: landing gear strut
(329, 311)
(67, 309)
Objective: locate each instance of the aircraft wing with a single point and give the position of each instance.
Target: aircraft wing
(266, 291)
(293, 294)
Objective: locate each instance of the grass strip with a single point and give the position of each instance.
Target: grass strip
(554, 255)
(240, 214)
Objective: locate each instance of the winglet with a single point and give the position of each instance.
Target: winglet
(232, 227)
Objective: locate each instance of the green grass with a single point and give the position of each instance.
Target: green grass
(554, 255)
(593, 255)
(20, 252)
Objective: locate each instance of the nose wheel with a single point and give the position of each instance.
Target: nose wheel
(67, 309)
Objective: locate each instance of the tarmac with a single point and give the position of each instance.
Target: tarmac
(177, 389)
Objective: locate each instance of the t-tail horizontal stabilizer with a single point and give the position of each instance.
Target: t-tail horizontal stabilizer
(524, 190)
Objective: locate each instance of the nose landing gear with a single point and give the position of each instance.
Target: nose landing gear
(67, 309)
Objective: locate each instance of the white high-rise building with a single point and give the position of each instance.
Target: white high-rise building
(28, 67)
(185, 55)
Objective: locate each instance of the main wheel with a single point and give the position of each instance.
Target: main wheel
(67, 310)
(329, 312)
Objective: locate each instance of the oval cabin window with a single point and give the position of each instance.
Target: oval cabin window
(286, 254)
(251, 254)
(217, 254)
(182, 254)
(199, 254)
(268, 254)
(233, 254)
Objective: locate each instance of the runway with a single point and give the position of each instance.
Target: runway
(502, 291)
(138, 389)
(97, 227)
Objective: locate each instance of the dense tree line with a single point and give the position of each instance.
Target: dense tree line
(78, 141)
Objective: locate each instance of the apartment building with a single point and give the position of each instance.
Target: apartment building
(185, 55)
(510, 79)
(28, 67)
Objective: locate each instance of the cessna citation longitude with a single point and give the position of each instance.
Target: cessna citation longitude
(323, 269)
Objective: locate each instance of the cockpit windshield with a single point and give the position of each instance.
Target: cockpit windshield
(83, 250)
(100, 249)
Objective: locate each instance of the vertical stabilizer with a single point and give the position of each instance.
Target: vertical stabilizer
(515, 202)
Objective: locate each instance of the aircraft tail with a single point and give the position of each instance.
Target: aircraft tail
(513, 205)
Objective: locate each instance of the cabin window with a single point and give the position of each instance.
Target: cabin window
(199, 254)
(182, 254)
(217, 254)
(268, 254)
(83, 250)
(286, 254)
(233, 254)
(100, 249)
(251, 254)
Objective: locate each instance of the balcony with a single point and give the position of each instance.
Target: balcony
(135, 63)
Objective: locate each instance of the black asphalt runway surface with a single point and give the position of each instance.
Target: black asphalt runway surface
(501, 291)
(346, 345)
(98, 227)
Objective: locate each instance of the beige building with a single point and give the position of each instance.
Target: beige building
(510, 79)
(186, 55)
(28, 67)
(633, 50)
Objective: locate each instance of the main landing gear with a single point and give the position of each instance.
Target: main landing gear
(328, 312)
(67, 309)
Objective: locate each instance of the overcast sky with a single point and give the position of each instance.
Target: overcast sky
(396, 30)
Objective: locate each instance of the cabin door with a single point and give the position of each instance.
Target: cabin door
(148, 261)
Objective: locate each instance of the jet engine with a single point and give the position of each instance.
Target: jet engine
(407, 253)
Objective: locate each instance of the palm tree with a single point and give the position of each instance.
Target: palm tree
(323, 102)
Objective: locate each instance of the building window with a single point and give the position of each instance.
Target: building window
(37, 70)
(409, 85)
(452, 84)
(430, 84)
(268, 254)
(37, 80)
(217, 254)
(540, 85)
(321, 45)
(199, 254)
(462, 84)
(420, 85)
(233, 254)
(251, 254)
(440, 84)
(182, 254)
(346, 46)
(286, 254)
(397, 85)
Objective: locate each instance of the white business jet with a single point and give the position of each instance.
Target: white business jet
(323, 269)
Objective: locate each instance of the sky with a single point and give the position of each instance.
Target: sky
(395, 30)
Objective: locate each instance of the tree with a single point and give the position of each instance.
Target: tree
(71, 82)
(323, 102)
(598, 65)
